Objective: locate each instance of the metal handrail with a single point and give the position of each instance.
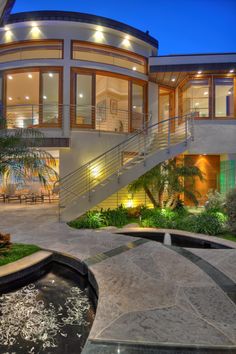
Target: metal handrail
(29, 114)
(111, 163)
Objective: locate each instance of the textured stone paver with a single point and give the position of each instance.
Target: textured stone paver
(148, 294)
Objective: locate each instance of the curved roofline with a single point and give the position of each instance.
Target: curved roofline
(82, 17)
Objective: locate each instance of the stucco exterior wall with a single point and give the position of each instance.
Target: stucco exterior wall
(85, 146)
(216, 137)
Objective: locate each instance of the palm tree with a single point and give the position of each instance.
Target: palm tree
(165, 183)
(20, 157)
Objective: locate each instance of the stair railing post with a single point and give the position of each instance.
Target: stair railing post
(119, 158)
(186, 130)
(32, 113)
(169, 136)
(89, 182)
(145, 148)
(192, 126)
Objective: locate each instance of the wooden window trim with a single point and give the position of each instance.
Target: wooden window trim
(25, 43)
(211, 78)
(115, 50)
(214, 97)
(39, 70)
(94, 72)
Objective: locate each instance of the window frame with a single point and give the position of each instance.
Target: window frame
(93, 72)
(24, 43)
(114, 49)
(211, 97)
(214, 96)
(41, 70)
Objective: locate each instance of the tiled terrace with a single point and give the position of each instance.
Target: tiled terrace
(149, 294)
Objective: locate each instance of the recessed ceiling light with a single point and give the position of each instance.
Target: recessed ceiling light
(134, 68)
(81, 95)
(50, 74)
(231, 71)
(30, 76)
(27, 97)
(174, 79)
(10, 98)
(206, 93)
(197, 104)
(44, 97)
(99, 35)
(126, 42)
(10, 77)
(229, 93)
(199, 72)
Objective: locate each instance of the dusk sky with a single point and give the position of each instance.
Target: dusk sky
(181, 26)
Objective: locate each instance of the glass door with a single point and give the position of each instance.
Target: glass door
(167, 106)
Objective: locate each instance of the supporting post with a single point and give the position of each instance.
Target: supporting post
(169, 135)
(186, 130)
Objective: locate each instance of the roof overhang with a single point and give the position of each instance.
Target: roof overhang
(83, 18)
(5, 10)
(171, 70)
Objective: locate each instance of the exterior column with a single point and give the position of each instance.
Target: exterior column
(66, 88)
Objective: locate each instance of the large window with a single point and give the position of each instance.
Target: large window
(84, 105)
(195, 98)
(224, 97)
(112, 103)
(43, 49)
(107, 102)
(212, 97)
(138, 110)
(108, 55)
(32, 97)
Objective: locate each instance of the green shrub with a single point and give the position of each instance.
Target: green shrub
(216, 202)
(115, 217)
(160, 218)
(91, 220)
(209, 223)
(231, 209)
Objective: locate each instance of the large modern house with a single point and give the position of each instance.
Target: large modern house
(111, 108)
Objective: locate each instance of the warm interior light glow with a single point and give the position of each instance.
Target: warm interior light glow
(95, 172)
(30, 76)
(81, 95)
(229, 93)
(44, 97)
(130, 202)
(231, 71)
(173, 79)
(134, 68)
(199, 72)
(27, 97)
(10, 77)
(8, 34)
(35, 31)
(10, 98)
(50, 74)
(99, 36)
(206, 93)
(126, 42)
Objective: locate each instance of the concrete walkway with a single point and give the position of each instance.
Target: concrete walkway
(149, 294)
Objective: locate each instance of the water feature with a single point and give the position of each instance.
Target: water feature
(176, 239)
(52, 314)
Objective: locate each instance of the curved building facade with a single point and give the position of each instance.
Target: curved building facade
(90, 82)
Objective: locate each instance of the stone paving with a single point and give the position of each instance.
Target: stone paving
(149, 294)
